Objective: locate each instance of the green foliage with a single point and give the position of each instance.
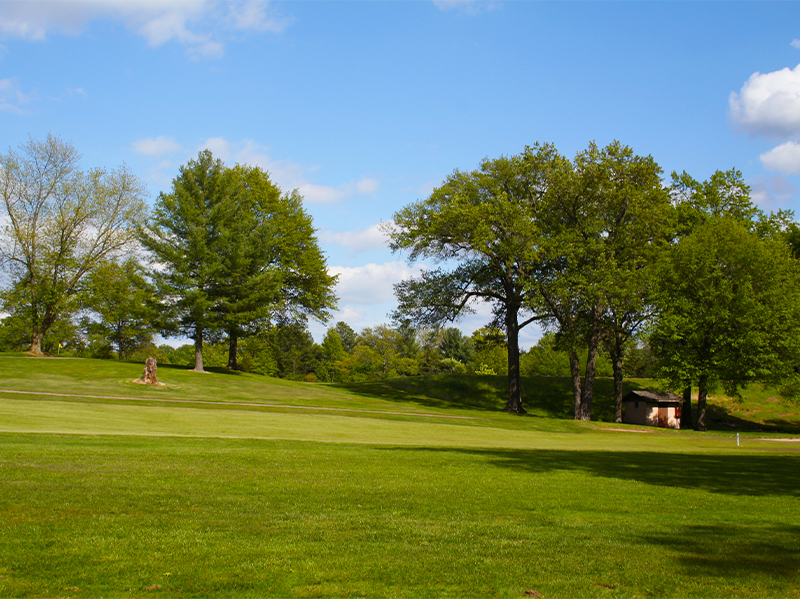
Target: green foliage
(730, 308)
(122, 305)
(237, 255)
(452, 365)
(454, 345)
(271, 263)
(545, 360)
(182, 234)
(491, 360)
(484, 224)
(61, 224)
(347, 335)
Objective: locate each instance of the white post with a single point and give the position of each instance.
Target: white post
(737, 439)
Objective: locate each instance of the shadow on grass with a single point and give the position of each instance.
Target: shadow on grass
(720, 417)
(541, 396)
(732, 550)
(743, 475)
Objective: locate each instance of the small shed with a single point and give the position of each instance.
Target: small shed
(657, 409)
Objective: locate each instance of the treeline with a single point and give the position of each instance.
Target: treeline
(630, 274)
(608, 256)
(224, 254)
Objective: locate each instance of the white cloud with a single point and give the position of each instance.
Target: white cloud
(12, 98)
(771, 193)
(372, 283)
(321, 194)
(200, 25)
(157, 146)
(795, 44)
(288, 175)
(220, 148)
(367, 186)
(371, 238)
(784, 158)
(768, 104)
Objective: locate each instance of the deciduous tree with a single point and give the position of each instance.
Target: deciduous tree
(482, 226)
(61, 223)
(271, 262)
(729, 310)
(121, 304)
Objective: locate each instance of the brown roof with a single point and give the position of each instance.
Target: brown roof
(652, 397)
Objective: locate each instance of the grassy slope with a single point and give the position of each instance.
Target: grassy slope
(258, 502)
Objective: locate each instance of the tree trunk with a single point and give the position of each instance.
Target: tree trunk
(233, 347)
(198, 351)
(575, 371)
(617, 365)
(702, 394)
(686, 409)
(591, 360)
(36, 342)
(514, 404)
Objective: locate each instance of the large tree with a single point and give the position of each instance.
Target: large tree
(608, 217)
(724, 194)
(183, 235)
(270, 261)
(729, 310)
(61, 223)
(482, 227)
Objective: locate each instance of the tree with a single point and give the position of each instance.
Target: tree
(456, 345)
(270, 260)
(491, 354)
(123, 303)
(608, 218)
(483, 225)
(183, 236)
(332, 352)
(61, 224)
(724, 194)
(729, 310)
(348, 336)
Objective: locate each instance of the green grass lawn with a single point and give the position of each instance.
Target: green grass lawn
(228, 495)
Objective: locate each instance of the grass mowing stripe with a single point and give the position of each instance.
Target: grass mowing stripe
(45, 416)
(256, 404)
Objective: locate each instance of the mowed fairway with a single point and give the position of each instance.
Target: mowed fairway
(257, 487)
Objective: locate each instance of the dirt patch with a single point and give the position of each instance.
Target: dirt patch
(625, 430)
(772, 400)
(779, 439)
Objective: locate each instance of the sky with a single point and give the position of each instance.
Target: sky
(367, 106)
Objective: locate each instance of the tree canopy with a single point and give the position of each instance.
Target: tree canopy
(235, 254)
(61, 223)
(729, 309)
(482, 227)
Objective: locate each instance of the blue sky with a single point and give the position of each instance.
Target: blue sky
(366, 106)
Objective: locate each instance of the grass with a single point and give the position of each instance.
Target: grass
(146, 498)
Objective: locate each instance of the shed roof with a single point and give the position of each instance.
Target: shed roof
(652, 397)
